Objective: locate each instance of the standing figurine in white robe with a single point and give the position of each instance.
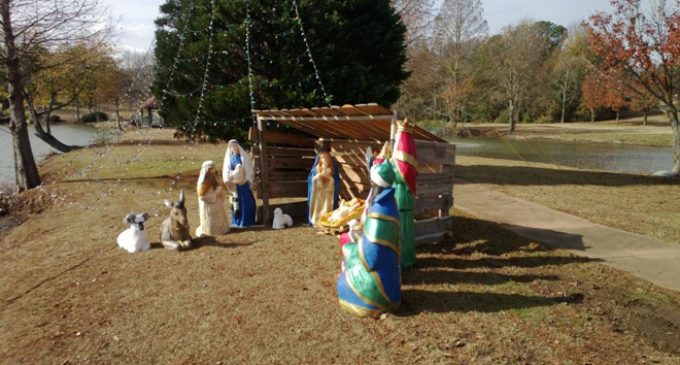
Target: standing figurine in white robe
(211, 192)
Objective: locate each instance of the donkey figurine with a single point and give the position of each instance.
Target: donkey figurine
(175, 229)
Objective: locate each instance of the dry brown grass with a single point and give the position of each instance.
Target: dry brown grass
(635, 203)
(487, 296)
(627, 132)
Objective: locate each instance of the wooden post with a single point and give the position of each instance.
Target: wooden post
(264, 173)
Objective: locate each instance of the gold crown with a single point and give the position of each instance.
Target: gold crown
(386, 151)
(405, 126)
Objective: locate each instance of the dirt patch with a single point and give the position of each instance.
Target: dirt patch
(659, 322)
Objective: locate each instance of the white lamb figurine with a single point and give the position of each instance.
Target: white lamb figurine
(281, 220)
(134, 239)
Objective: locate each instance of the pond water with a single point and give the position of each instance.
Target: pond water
(72, 134)
(611, 157)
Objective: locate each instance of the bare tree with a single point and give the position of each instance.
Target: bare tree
(519, 55)
(416, 15)
(139, 67)
(456, 27)
(28, 26)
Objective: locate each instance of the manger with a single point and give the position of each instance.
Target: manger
(285, 142)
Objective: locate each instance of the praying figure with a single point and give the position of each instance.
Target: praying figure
(239, 175)
(211, 191)
(370, 283)
(323, 186)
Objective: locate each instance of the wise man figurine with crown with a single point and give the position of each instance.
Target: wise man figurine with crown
(370, 283)
(405, 164)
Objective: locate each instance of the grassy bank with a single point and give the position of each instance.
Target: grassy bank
(625, 132)
(486, 296)
(642, 204)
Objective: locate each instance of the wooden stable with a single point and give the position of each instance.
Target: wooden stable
(283, 160)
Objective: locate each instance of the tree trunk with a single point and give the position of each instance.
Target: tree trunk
(511, 111)
(47, 120)
(120, 128)
(646, 114)
(48, 113)
(77, 110)
(676, 141)
(40, 132)
(150, 117)
(52, 141)
(564, 98)
(617, 117)
(592, 115)
(25, 168)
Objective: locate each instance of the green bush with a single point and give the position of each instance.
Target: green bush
(441, 128)
(503, 117)
(94, 117)
(543, 119)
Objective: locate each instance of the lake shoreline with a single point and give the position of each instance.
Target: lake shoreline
(595, 133)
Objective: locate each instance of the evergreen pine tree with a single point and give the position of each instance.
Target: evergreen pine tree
(358, 46)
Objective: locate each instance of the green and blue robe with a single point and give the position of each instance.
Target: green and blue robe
(371, 282)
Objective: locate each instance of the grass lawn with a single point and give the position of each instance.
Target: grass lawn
(635, 203)
(626, 132)
(68, 295)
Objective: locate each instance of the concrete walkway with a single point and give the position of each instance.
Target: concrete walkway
(642, 256)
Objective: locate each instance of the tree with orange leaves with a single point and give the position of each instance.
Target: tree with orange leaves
(645, 48)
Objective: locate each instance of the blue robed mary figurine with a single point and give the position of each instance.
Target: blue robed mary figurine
(238, 172)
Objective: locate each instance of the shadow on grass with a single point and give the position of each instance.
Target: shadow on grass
(436, 277)
(527, 176)
(208, 241)
(146, 142)
(475, 255)
(419, 301)
(472, 236)
(186, 181)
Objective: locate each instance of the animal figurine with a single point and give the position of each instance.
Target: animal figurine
(281, 220)
(667, 174)
(175, 229)
(134, 239)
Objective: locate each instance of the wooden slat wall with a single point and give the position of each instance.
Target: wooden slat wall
(351, 157)
(435, 190)
(289, 159)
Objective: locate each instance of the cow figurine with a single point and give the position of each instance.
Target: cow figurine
(175, 229)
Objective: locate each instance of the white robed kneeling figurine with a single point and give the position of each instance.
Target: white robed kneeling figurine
(211, 192)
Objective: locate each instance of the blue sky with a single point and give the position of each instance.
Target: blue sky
(500, 13)
(135, 28)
